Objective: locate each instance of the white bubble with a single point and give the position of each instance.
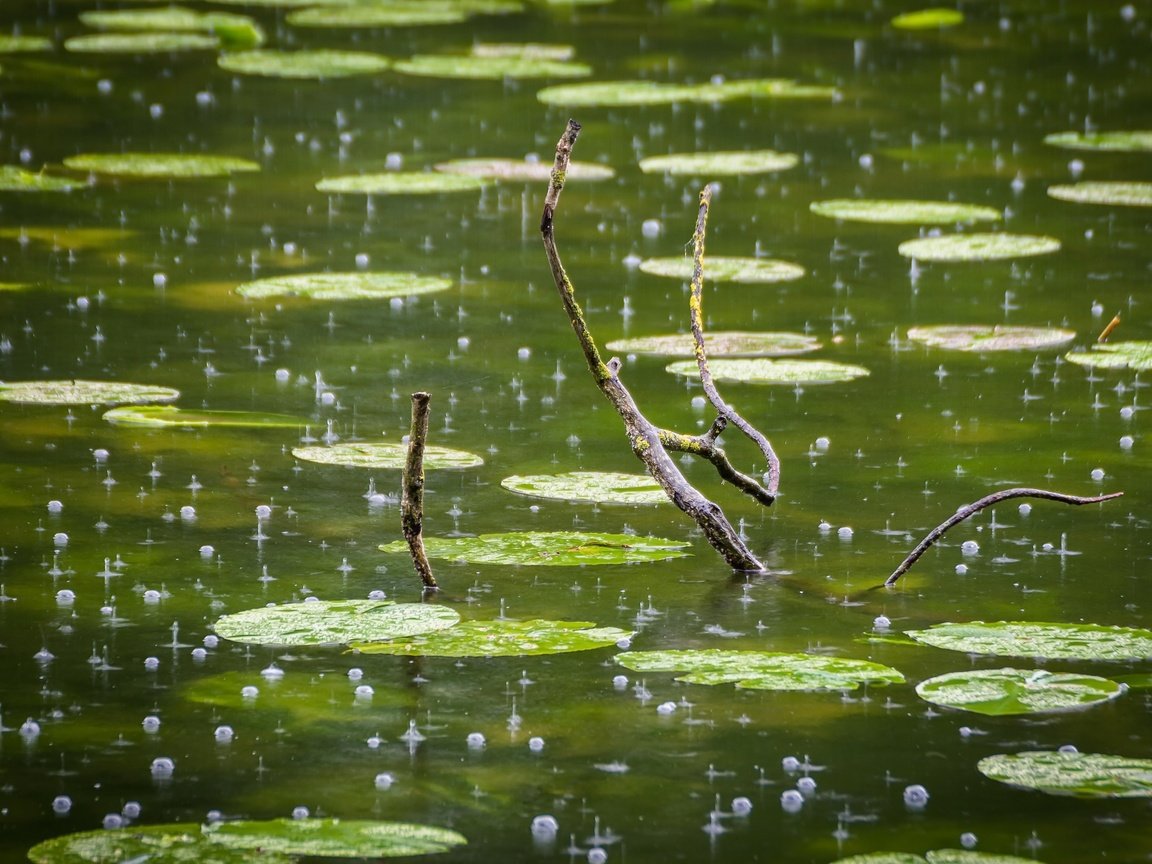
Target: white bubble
(741, 806)
(213, 816)
(844, 533)
(384, 781)
(29, 729)
(300, 813)
(151, 723)
(362, 260)
(620, 682)
(632, 261)
(211, 641)
(151, 663)
(272, 672)
(535, 743)
(394, 161)
(790, 763)
(1024, 509)
(881, 622)
(666, 708)
(969, 547)
(968, 840)
(791, 801)
(131, 810)
(364, 691)
(1067, 748)
(476, 740)
(65, 597)
(652, 228)
(60, 539)
(224, 734)
(100, 454)
(263, 511)
(328, 398)
(463, 342)
(915, 797)
(961, 569)
(159, 280)
(55, 506)
(355, 673)
(199, 654)
(824, 527)
(1126, 412)
(806, 786)
(1097, 474)
(61, 804)
(596, 855)
(376, 594)
(1126, 442)
(249, 692)
(822, 443)
(162, 767)
(624, 642)
(151, 596)
(207, 551)
(283, 375)
(524, 353)
(113, 821)
(374, 742)
(866, 161)
(187, 512)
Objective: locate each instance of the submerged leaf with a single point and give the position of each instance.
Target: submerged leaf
(502, 638)
(978, 247)
(765, 371)
(602, 487)
(1036, 639)
(997, 692)
(333, 622)
(928, 19)
(334, 838)
(84, 393)
(611, 94)
(23, 44)
(1123, 194)
(385, 455)
(344, 286)
(401, 183)
(304, 64)
(141, 43)
(548, 548)
(903, 212)
(398, 14)
(494, 68)
(1131, 141)
(526, 50)
(719, 163)
(305, 697)
(1082, 775)
(180, 843)
(1115, 355)
(520, 169)
(997, 337)
(161, 416)
(160, 164)
(720, 268)
(13, 179)
(762, 670)
(724, 343)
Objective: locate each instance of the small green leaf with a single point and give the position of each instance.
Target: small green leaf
(978, 247)
(935, 18)
(502, 638)
(333, 622)
(344, 286)
(168, 165)
(64, 237)
(1119, 193)
(84, 393)
(615, 94)
(401, 183)
(525, 50)
(304, 64)
(334, 838)
(970, 856)
(490, 68)
(13, 179)
(731, 163)
(385, 455)
(764, 371)
(400, 13)
(997, 337)
(902, 212)
(181, 843)
(1037, 639)
(548, 548)
(997, 692)
(725, 343)
(762, 670)
(721, 268)
(519, 169)
(1082, 775)
(1130, 141)
(230, 29)
(882, 858)
(141, 43)
(24, 44)
(162, 416)
(1115, 355)
(602, 487)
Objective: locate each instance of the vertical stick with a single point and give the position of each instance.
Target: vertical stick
(412, 500)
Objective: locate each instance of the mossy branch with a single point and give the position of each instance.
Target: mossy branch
(412, 498)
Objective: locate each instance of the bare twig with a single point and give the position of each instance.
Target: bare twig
(976, 506)
(412, 499)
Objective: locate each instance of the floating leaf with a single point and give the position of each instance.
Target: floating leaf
(761, 370)
(344, 286)
(491, 68)
(401, 183)
(978, 247)
(160, 164)
(997, 692)
(724, 343)
(602, 487)
(68, 238)
(400, 13)
(385, 455)
(762, 670)
(503, 638)
(334, 838)
(230, 29)
(1082, 775)
(979, 338)
(179, 843)
(613, 94)
(1035, 639)
(84, 393)
(333, 622)
(1115, 355)
(304, 64)
(548, 548)
(141, 43)
(24, 44)
(903, 212)
(719, 268)
(719, 163)
(928, 19)
(970, 856)
(525, 50)
(13, 286)
(520, 169)
(883, 858)
(13, 179)
(306, 697)
(1105, 192)
(161, 416)
(1118, 141)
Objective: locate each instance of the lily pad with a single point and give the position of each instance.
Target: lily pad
(400, 13)
(401, 183)
(882, 858)
(978, 247)
(304, 64)
(141, 43)
(762, 670)
(1036, 639)
(344, 286)
(162, 416)
(602, 487)
(64, 237)
(1082, 775)
(525, 50)
(1130, 141)
(971, 856)
(502, 638)
(760, 370)
(231, 29)
(1133, 354)
(725, 343)
(13, 179)
(317, 699)
(168, 165)
(334, 838)
(178, 843)
(719, 163)
(491, 68)
(84, 393)
(520, 169)
(385, 455)
(718, 268)
(618, 94)
(903, 212)
(24, 44)
(936, 18)
(548, 548)
(980, 338)
(333, 622)
(997, 692)
(1105, 192)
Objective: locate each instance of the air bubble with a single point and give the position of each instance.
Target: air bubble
(384, 781)
(1126, 442)
(791, 801)
(545, 826)
(162, 767)
(741, 806)
(61, 804)
(224, 734)
(915, 797)
(1097, 474)
(535, 743)
(476, 741)
(55, 506)
(151, 724)
(300, 813)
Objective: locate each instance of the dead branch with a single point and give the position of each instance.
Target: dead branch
(412, 499)
(976, 506)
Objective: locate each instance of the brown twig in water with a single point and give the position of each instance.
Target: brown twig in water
(976, 506)
(1107, 331)
(412, 499)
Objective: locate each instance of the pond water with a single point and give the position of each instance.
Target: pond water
(133, 279)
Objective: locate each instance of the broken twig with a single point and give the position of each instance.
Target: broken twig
(412, 498)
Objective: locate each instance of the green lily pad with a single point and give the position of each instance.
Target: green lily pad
(725, 343)
(970, 856)
(548, 548)
(400, 13)
(601, 487)
(979, 338)
(311, 698)
(333, 622)
(13, 179)
(997, 692)
(718, 268)
(141, 43)
(761, 370)
(978, 247)
(618, 94)
(1131, 141)
(167, 165)
(334, 838)
(1115, 355)
(401, 183)
(385, 455)
(13, 286)
(232, 30)
(344, 286)
(525, 50)
(162, 416)
(1082, 775)
(178, 843)
(490, 68)
(928, 19)
(304, 64)
(84, 393)
(64, 237)
(520, 169)
(883, 858)
(903, 212)
(1036, 639)
(719, 163)
(503, 638)
(1105, 192)
(24, 44)
(762, 670)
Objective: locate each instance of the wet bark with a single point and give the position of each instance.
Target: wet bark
(412, 497)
